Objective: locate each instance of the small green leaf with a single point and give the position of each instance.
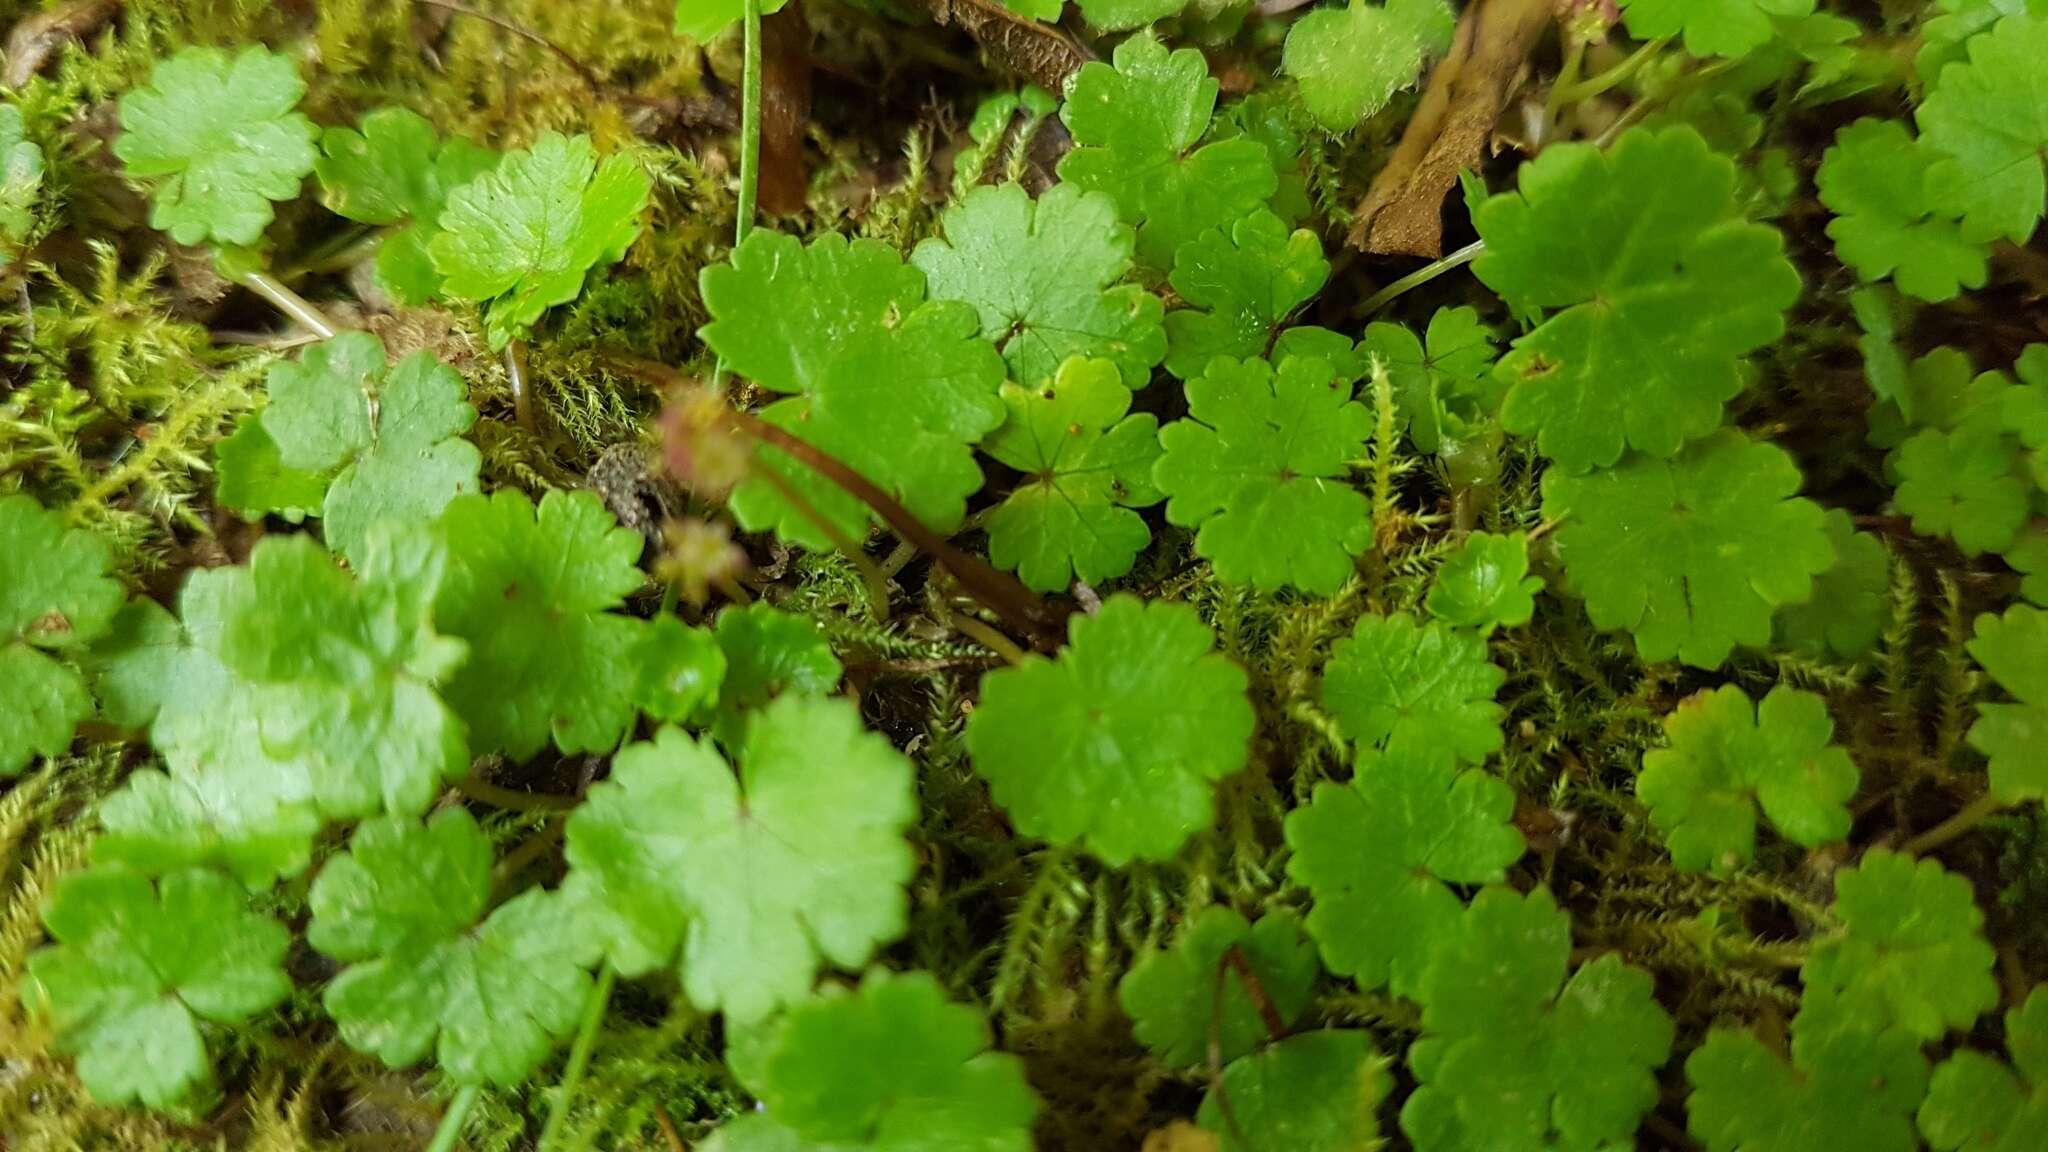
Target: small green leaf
(1449, 376)
(1712, 27)
(1124, 15)
(1317, 1092)
(1349, 61)
(1963, 484)
(764, 878)
(1486, 584)
(428, 971)
(1245, 279)
(1260, 465)
(398, 171)
(768, 653)
(1423, 692)
(1912, 954)
(1191, 995)
(1873, 180)
(251, 477)
(938, 1086)
(1135, 127)
(1694, 553)
(136, 966)
(1379, 856)
(222, 136)
(522, 236)
(1727, 756)
(532, 591)
(21, 183)
(1978, 1103)
(1117, 743)
(55, 597)
(678, 670)
(1988, 118)
(1661, 284)
(1847, 1089)
(1085, 465)
(1041, 275)
(2014, 649)
(700, 20)
(1851, 600)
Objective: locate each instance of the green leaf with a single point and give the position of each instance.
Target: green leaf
(1847, 1089)
(1977, 1102)
(1873, 180)
(135, 967)
(55, 597)
(1124, 15)
(1317, 1092)
(251, 477)
(816, 1072)
(1043, 11)
(1135, 128)
(1989, 120)
(1712, 27)
(1085, 465)
(679, 670)
(532, 590)
(428, 971)
(2013, 648)
(1450, 376)
(1963, 484)
(1041, 276)
(1508, 1058)
(21, 182)
(1727, 756)
(1423, 692)
(226, 799)
(895, 386)
(522, 236)
(398, 171)
(1379, 856)
(1912, 954)
(340, 671)
(1260, 466)
(763, 878)
(2029, 555)
(1349, 61)
(1248, 279)
(1691, 554)
(700, 20)
(221, 136)
(1191, 995)
(768, 652)
(391, 439)
(1486, 584)
(1663, 287)
(1947, 27)
(1117, 743)
(1851, 600)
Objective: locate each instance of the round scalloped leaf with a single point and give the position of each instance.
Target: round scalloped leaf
(890, 1067)
(1317, 1092)
(1116, 744)
(1486, 584)
(1978, 1103)
(1874, 181)
(1241, 280)
(1988, 120)
(222, 135)
(1259, 468)
(1423, 692)
(1694, 553)
(1727, 756)
(55, 595)
(1380, 854)
(1443, 377)
(533, 591)
(768, 653)
(1661, 287)
(1847, 1089)
(428, 971)
(2014, 649)
(1173, 998)
(1851, 600)
(1350, 61)
(1964, 484)
(1041, 275)
(136, 966)
(398, 171)
(763, 877)
(1911, 954)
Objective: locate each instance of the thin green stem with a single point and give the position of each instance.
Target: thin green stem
(1972, 814)
(511, 799)
(750, 124)
(1592, 86)
(452, 1121)
(1567, 77)
(1423, 275)
(594, 1008)
(289, 302)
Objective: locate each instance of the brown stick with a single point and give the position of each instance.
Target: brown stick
(1402, 213)
(34, 39)
(785, 111)
(1040, 53)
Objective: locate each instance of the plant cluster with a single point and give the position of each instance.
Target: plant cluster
(1063, 657)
